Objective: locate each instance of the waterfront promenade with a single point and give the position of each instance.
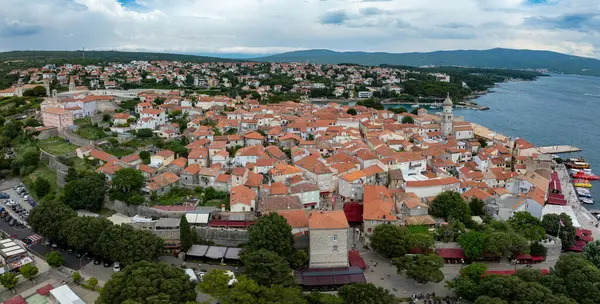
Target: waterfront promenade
(585, 218)
(558, 149)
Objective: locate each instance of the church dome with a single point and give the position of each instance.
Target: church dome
(447, 101)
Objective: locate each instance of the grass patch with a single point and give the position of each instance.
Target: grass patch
(140, 142)
(86, 130)
(418, 229)
(41, 172)
(120, 152)
(56, 146)
(79, 164)
(106, 213)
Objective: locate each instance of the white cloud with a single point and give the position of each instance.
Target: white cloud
(271, 26)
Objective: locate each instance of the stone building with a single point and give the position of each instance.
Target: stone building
(328, 239)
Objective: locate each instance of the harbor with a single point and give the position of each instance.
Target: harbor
(558, 149)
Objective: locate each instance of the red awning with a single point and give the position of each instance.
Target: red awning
(537, 258)
(310, 204)
(15, 300)
(356, 260)
(587, 238)
(575, 248)
(451, 253)
(523, 257)
(578, 232)
(586, 231)
(44, 291)
(580, 243)
(353, 212)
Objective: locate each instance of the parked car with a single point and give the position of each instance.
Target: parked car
(107, 262)
(13, 222)
(97, 260)
(117, 267)
(8, 219)
(4, 195)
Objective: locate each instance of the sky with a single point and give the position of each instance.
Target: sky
(244, 28)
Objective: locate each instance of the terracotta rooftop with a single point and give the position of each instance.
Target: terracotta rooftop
(328, 220)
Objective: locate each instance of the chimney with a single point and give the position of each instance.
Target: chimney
(223, 207)
(380, 195)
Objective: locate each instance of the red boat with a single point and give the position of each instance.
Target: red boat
(586, 176)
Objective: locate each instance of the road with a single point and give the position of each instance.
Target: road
(20, 233)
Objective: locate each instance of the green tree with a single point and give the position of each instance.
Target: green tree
(322, 298)
(473, 244)
(366, 293)
(398, 110)
(488, 300)
(390, 240)
(267, 268)
(421, 241)
(408, 120)
(591, 252)
(86, 192)
(48, 217)
(9, 280)
(421, 268)
(76, 277)
(185, 234)
(71, 175)
(93, 282)
(273, 233)
(477, 206)
(538, 249)
(474, 272)
(299, 259)
(144, 281)
(215, 283)
(450, 205)
(28, 271)
(415, 111)
(145, 156)
(54, 259)
(527, 225)
(503, 243)
(128, 181)
(450, 231)
(41, 186)
(83, 232)
(144, 133)
(37, 91)
(128, 245)
(575, 277)
(352, 111)
(529, 274)
(551, 222)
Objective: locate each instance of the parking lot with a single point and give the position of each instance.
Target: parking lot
(17, 206)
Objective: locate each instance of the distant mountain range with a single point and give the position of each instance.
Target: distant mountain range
(493, 58)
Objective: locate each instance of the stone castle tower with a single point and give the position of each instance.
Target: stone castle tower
(447, 117)
(72, 85)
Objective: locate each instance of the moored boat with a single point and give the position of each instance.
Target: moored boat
(586, 200)
(585, 176)
(584, 185)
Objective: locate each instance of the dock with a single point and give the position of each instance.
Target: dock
(558, 149)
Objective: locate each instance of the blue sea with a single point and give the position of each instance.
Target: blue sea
(555, 110)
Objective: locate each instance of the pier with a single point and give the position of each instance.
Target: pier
(558, 149)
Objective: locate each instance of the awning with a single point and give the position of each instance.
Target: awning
(197, 250)
(537, 258)
(15, 300)
(353, 212)
(310, 204)
(44, 291)
(523, 257)
(451, 253)
(356, 260)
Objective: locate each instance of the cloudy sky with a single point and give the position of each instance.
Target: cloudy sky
(224, 27)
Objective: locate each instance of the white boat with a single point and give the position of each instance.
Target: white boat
(585, 190)
(586, 200)
(584, 195)
(414, 106)
(435, 106)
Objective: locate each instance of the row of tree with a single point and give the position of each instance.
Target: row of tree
(573, 280)
(125, 244)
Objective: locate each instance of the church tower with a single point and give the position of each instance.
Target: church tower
(447, 116)
(72, 85)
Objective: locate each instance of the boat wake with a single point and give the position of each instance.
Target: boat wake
(593, 95)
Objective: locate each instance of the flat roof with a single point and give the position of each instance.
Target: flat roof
(197, 250)
(64, 295)
(197, 218)
(558, 209)
(168, 222)
(216, 252)
(233, 253)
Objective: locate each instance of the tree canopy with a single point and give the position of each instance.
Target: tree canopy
(408, 120)
(389, 240)
(449, 205)
(365, 293)
(422, 268)
(54, 259)
(551, 223)
(185, 234)
(47, 218)
(128, 245)
(41, 186)
(86, 192)
(351, 111)
(591, 251)
(146, 282)
(473, 243)
(527, 225)
(267, 268)
(83, 232)
(273, 233)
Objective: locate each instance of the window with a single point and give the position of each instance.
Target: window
(335, 238)
(335, 248)
(369, 230)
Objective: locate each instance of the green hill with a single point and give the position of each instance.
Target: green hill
(94, 56)
(493, 58)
